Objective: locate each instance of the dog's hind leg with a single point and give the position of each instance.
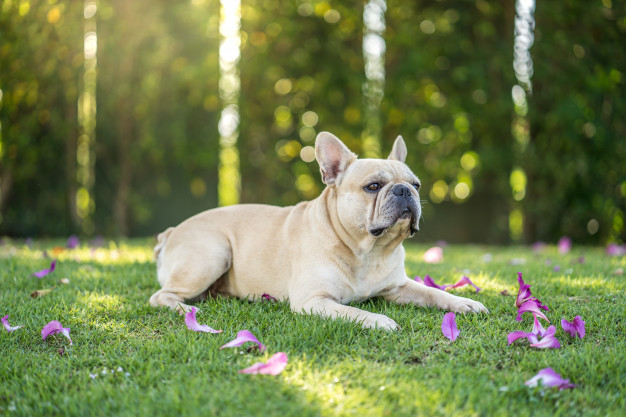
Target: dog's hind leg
(186, 269)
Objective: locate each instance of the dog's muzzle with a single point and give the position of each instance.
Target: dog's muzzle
(401, 204)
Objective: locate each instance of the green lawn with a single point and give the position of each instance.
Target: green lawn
(335, 367)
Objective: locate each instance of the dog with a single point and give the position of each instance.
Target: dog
(344, 246)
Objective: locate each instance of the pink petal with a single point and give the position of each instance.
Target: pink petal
(419, 279)
(615, 250)
(538, 247)
(55, 327)
(448, 326)
(429, 282)
(274, 365)
(433, 255)
(537, 328)
(531, 306)
(565, 245)
(192, 323)
(268, 297)
(7, 326)
(548, 378)
(548, 341)
(243, 337)
(574, 328)
(524, 294)
(44, 272)
(72, 242)
(513, 336)
(461, 283)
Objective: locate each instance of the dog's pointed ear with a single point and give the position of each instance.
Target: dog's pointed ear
(333, 157)
(399, 152)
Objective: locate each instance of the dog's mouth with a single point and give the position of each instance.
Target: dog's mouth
(410, 213)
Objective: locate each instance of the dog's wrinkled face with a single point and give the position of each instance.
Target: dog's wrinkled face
(380, 196)
(375, 197)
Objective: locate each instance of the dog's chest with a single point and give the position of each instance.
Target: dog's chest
(371, 277)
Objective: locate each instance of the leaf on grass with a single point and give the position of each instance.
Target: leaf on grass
(448, 326)
(274, 365)
(192, 323)
(44, 272)
(55, 327)
(549, 378)
(7, 326)
(574, 328)
(243, 337)
(41, 293)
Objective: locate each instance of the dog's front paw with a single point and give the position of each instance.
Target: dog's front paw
(379, 321)
(465, 305)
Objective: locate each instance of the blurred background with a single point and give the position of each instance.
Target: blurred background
(121, 118)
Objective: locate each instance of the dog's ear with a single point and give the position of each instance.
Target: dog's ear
(333, 157)
(399, 152)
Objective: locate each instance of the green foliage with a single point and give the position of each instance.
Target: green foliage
(449, 74)
(335, 367)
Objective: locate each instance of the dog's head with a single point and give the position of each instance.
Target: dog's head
(378, 197)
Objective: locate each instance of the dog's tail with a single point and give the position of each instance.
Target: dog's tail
(161, 240)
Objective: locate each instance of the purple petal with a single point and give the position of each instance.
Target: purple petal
(531, 306)
(7, 326)
(615, 250)
(419, 279)
(72, 242)
(55, 327)
(461, 283)
(537, 328)
(274, 365)
(548, 378)
(268, 297)
(433, 255)
(429, 282)
(44, 272)
(574, 328)
(538, 247)
(243, 337)
(192, 323)
(565, 245)
(513, 336)
(448, 326)
(524, 294)
(548, 341)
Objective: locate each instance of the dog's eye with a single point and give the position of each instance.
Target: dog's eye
(417, 186)
(375, 186)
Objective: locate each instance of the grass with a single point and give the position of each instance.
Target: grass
(335, 367)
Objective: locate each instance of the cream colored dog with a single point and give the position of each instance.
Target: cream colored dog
(343, 246)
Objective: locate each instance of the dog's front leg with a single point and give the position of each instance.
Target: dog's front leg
(415, 293)
(327, 306)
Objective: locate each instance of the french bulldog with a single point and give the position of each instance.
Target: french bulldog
(344, 246)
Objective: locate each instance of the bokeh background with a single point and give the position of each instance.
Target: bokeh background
(121, 118)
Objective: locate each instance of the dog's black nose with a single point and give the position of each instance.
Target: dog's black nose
(401, 190)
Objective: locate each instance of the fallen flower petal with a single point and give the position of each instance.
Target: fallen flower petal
(565, 245)
(548, 378)
(55, 327)
(44, 272)
(538, 247)
(429, 282)
(72, 242)
(548, 341)
(448, 326)
(433, 255)
(192, 323)
(614, 249)
(531, 306)
(513, 336)
(7, 326)
(537, 328)
(461, 283)
(243, 337)
(524, 294)
(268, 297)
(574, 328)
(274, 365)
